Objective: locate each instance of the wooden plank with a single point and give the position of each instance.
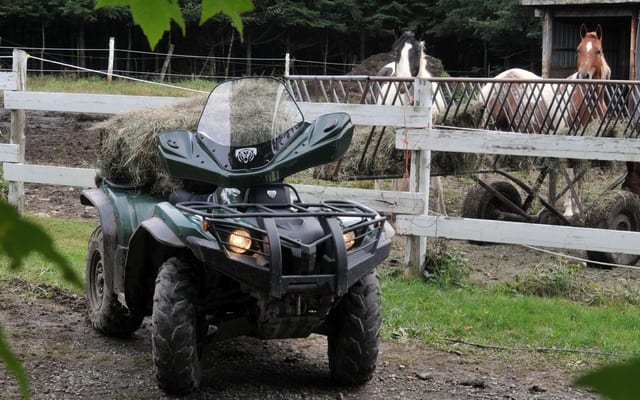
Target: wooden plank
(565, 237)
(9, 153)
(383, 201)
(371, 114)
(491, 142)
(8, 81)
(50, 175)
(81, 102)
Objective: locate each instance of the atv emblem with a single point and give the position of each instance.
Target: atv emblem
(246, 155)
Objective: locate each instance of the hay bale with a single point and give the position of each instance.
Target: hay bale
(130, 153)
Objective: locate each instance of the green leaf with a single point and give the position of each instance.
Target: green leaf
(19, 237)
(231, 8)
(14, 366)
(153, 16)
(617, 382)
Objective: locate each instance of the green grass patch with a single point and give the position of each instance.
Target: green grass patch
(434, 314)
(70, 238)
(97, 84)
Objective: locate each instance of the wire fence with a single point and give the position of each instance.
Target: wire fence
(149, 65)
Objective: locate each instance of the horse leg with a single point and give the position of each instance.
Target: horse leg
(568, 196)
(572, 202)
(441, 208)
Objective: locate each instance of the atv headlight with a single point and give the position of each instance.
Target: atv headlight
(240, 241)
(349, 239)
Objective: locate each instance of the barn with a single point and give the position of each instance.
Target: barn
(561, 20)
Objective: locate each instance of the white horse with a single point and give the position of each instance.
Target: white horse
(411, 61)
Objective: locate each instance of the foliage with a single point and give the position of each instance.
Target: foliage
(446, 269)
(155, 16)
(14, 366)
(19, 238)
(616, 382)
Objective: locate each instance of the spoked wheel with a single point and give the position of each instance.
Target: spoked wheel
(106, 313)
(355, 328)
(619, 210)
(483, 204)
(175, 337)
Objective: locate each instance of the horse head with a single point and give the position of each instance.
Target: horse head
(409, 53)
(590, 57)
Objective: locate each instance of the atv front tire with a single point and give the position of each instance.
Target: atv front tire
(106, 313)
(175, 335)
(355, 329)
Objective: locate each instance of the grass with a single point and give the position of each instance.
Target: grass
(95, 84)
(440, 308)
(493, 316)
(70, 237)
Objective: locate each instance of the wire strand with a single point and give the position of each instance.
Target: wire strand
(116, 75)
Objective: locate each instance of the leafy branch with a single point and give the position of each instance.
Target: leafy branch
(155, 16)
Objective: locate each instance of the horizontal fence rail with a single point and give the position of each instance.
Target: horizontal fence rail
(411, 105)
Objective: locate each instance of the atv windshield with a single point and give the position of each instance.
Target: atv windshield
(247, 121)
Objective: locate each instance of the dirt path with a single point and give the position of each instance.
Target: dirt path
(67, 359)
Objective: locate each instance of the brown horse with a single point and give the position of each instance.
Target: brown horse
(587, 101)
(533, 107)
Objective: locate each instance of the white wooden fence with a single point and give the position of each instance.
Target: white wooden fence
(411, 208)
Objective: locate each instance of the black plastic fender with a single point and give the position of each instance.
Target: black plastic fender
(106, 214)
(151, 244)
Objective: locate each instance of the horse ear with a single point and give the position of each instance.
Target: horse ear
(397, 31)
(599, 32)
(583, 30)
(419, 31)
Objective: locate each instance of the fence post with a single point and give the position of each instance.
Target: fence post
(16, 189)
(420, 171)
(167, 60)
(112, 46)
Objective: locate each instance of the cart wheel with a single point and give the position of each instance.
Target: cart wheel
(614, 209)
(482, 204)
(549, 218)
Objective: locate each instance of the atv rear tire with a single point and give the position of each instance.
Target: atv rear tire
(354, 337)
(106, 313)
(174, 336)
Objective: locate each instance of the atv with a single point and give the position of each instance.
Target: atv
(234, 251)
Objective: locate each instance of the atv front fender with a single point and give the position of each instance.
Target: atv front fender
(150, 246)
(106, 214)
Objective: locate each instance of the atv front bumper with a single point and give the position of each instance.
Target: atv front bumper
(278, 262)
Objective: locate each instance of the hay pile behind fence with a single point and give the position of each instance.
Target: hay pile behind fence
(130, 153)
(376, 155)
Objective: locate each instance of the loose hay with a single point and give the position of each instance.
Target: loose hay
(130, 154)
(365, 157)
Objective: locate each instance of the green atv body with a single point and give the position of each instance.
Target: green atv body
(235, 251)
